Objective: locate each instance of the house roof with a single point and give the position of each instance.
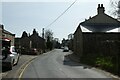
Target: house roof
(35, 35)
(78, 29)
(101, 22)
(5, 31)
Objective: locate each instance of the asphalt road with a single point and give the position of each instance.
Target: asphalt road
(14, 73)
(54, 64)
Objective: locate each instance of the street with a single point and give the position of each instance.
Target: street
(14, 73)
(54, 64)
(60, 39)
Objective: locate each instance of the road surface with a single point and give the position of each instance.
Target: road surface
(14, 73)
(54, 64)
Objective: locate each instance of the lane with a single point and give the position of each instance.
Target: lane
(54, 64)
(43, 67)
(14, 73)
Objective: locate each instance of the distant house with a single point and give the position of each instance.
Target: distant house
(65, 42)
(1, 28)
(28, 42)
(70, 36)
(37, 41)
(4, 34)
(98, 41)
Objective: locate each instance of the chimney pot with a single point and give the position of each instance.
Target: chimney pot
(100, 9)
(101, 5)
(98, 5)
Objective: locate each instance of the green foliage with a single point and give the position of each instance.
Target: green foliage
(109, 63)
(104, 62)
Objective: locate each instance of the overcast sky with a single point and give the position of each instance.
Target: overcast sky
(25, 15)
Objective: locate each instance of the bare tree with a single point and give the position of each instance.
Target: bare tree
(48, 34)
(49, 38)
(115, 4)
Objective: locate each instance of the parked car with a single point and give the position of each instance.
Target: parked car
(8, 54)
(33, 51)
(10, 57)
(65, 49)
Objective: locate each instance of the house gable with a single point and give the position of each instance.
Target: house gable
(101, 22)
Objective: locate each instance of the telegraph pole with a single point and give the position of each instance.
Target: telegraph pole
(43, 33)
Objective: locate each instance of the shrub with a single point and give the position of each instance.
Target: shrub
(104, 63)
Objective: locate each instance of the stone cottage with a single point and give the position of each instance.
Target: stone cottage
(28, 42)
(98, 41)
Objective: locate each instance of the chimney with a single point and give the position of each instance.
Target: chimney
(2, 26)
(100, 9)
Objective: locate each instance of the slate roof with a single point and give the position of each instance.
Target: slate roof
(5, 31)
(101, 22)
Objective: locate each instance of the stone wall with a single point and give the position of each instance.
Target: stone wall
(78, 42)
(101, 43)
(85, 43)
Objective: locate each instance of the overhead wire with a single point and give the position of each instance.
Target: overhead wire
(61, 14)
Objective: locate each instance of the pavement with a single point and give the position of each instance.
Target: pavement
(76, 59)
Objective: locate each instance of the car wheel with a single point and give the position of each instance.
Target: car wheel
(17, 61)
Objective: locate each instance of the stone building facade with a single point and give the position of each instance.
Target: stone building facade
(36, 41)
(78, 42)
(4, 34)
(90, 43)
(101, 43)
(1, 28)
(28, 42)
(98, 41)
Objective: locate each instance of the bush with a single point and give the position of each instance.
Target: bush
(108, 63)
(104, 62)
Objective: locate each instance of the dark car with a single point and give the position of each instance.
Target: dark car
(33, 51)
